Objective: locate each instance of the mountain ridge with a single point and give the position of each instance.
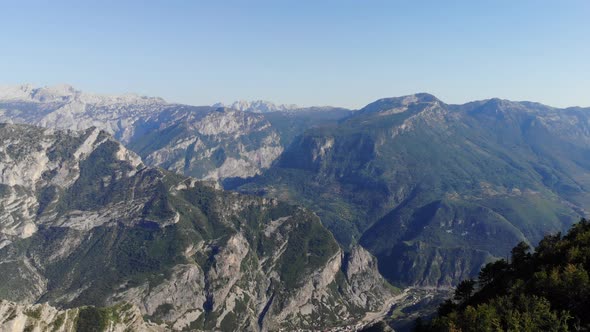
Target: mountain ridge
(263, 106)
(363, 164)
(258, 106)
(182, 138)
(426, 186)
(66, 92)
(27, 91)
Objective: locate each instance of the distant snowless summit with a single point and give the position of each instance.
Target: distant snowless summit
(174, 136)
(64, 107)
(258, 106)
(66, 93)
(263, 106)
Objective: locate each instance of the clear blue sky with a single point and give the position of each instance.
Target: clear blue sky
(343, 53)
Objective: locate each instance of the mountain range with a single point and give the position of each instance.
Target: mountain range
(436, 190)
(116, 201)
(263, 106)
(258, 106)
(201, 141)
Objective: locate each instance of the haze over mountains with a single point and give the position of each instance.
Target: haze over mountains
(258, 106)
(202, 141)
(262, 106)
(425, 192)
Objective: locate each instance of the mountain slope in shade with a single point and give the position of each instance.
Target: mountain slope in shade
(436, 190)
(85, 222)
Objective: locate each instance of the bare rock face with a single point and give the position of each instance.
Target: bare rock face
(217, 145)
(259, 106)
(364, 280)
(183, 293)
(26, 162)
(64, 107)
(85, 223)
(36, 164)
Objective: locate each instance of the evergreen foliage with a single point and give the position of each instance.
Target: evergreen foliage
(544, 290)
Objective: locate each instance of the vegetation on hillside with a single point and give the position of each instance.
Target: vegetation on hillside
(547, 289)
(434, 190)
(119, 228)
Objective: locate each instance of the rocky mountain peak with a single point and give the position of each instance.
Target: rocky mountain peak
(400, 104)
(15, 92)
(258, 106)
(29, 92)
(501, 104)
(60, 92)
(424, 97)
(502, 108)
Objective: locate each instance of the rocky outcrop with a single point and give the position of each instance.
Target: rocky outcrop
(64, 107)
(43, 317)
(221, 144)
(364, 280)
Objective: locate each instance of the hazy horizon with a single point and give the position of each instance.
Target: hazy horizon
(229, 102)
(304, 53)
